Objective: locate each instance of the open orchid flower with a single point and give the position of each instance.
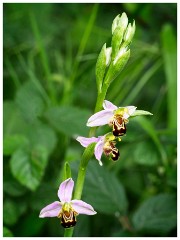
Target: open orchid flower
(115, 117)
(66, 209)
(104, 144)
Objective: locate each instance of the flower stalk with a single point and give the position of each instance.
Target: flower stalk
(109, 64)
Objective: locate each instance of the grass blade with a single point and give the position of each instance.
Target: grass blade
(169, 51)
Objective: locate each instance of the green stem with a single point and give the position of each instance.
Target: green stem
(80, 182)
(88, 152)
(99, 103)
(90, 149)
(68, 232)
(101, 97)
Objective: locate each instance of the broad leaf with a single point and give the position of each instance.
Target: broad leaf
(68, 120)
(13, 142)
(83, 227)
(148, 127)
(31, 225)
(46, 194)
(7, 232)
(156, 215)
(10, 212)
(30, 101)
(12, 119)
(28, 166)
(103, 190)
(42, 134)
(145, 153)
(12, 187)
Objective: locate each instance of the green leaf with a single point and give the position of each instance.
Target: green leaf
(169, 51)
(12, 119)
(172, 177)
(156, 215)
(10, 213)
(68, 120)
(30, 102)
(46, 194)
(28, 166)
(13, 188)
(83, 227)
(149, 128)
(28, 162)
(42, 135)
(31, 226)
(145, 153)
(101, 67)
(7, 232)
(103, 190)
(13, 142)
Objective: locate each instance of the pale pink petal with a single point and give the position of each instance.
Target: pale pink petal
(100, 118)
(82, 208)
(131, 110)
(51, 210)
(86, 141)
(107, 105)
(65, 190)
(98, 150)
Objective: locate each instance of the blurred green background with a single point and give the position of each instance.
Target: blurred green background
(50, 52)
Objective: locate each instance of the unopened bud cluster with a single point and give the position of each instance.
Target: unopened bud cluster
(112, 59)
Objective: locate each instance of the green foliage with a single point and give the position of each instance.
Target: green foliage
(28, 162)
(49, 91)
(10, 213)
(7, 232)
(27, 226)
(145, 154)
(68, 120)
(169, 52)
(99, 192)
(158, 214)
(12, 187)
(29, 102)
(12, 119)
(13, 142)
(28, 167)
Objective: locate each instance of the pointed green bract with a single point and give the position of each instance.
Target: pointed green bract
(116, 41)
(117, 67)
(101, 67)
(140, 112)
(129, 34)
(67, 171)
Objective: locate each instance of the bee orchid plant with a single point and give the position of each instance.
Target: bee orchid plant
(110, 63)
